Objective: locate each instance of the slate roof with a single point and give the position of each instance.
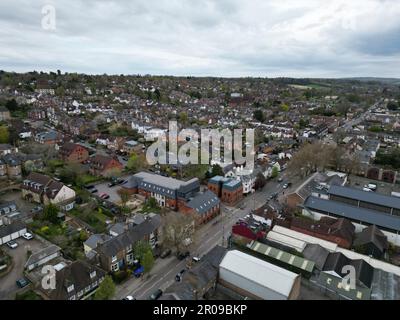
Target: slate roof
(340, 209)
(37, 256)
(372, 235)
(203, 202)
(11, 228)
(165, 186)
(96, 239)
(316, 253)
(76, 274)
(136, 233)
(337, 260)
(369, 197)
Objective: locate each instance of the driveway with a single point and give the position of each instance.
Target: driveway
(8, 286)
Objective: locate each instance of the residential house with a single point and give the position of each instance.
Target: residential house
(76, 281)
(118, 252)
(43, 189)
(48, 137)
(104, 166)
(4, 114)
(7, 149)
(168, 192)
(73, 153)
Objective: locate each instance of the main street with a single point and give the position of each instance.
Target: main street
(216, 232)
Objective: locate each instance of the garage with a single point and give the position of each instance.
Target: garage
(11, 232)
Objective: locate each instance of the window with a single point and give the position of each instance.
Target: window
(114, 267)
(70, 288)
(80, 293)
(129, 257)
(92, 274)
(114, 258)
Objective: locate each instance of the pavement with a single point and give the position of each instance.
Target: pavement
(216, 232)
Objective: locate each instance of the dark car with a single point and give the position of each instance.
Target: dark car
(179, 276)
(156, 295)
(22, 283)
(165, 253)
(112, 184)
(183, 255)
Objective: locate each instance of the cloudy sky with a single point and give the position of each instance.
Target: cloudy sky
(298, 38)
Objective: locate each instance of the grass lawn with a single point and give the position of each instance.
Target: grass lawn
(28, 295)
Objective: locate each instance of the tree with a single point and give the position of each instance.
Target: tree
(183, 117)
(140, 249)
(151, 205)
(259, 115)
(106, 289)
(393, 105)
(148, 261)
(132, 164)
(4, 134)
(50, 213)
(260, 181)
(177, 228)
(216, 171)
(275, 172)
(12, 105)
(124, 195)
(284, 107)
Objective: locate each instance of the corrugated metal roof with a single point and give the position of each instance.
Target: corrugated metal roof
(370, 197)
(283, 256)
(256, 270)
(359, 214)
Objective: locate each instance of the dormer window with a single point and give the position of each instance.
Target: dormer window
(92, 274)
(70, 288)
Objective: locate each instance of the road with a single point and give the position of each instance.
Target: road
(356, 121)
(208, 236)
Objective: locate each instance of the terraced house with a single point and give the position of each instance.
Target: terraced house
(45, 190)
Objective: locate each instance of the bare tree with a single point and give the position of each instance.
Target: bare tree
(177, 228)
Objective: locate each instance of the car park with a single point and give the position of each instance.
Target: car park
(12, 244)
(156, 295)
(27, 236)
(105, 196)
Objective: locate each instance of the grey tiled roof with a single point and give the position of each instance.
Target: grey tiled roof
(203, 202)
(351, 212)
(370, 197)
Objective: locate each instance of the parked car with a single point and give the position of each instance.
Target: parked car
(183, 255)
(156, 295)
(280, 179)
(196, 259)
(179, 276)
(138, 272)
(94, 190)
(112, 184)
(105, 196)
(22, 283)
(129, 298)
(165, 253)
(27, 236)
(285, 186)
(120, 181)
(37, 209)
(12, 244)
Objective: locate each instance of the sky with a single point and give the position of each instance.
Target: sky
(223, 38)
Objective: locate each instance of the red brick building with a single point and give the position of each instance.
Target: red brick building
(230, 191)
(75, 153)
(104, 166)
(340, 231)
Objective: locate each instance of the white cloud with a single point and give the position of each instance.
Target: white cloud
(219, 37)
